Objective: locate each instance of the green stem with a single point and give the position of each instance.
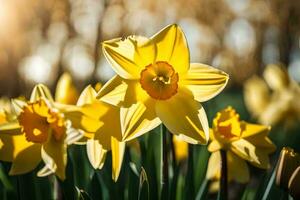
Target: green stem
(165, 165)
(223, 193)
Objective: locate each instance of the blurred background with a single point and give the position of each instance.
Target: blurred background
(39, 40)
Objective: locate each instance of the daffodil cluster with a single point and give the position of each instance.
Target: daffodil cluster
(155, 84)
(275, 99)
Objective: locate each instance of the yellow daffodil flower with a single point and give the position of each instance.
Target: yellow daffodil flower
(281, 104)
(180, 148)
(40, 132)
(66, 91)
(242, 142)
(108, 135)
(156, 83)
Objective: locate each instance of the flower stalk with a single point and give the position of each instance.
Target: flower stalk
(165, 164)
(223, 193)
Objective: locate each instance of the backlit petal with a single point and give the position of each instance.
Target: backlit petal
(255, 155)
(130, 55)
(172, 47)
(256, 95)
(65, 90)
(54, 154)
(84, 117)
(138, 119)
(118, 149)
(214, 165)
(215, 145)
(185, 117)
(255, 129)
(41, 91)
(96, 153)
(114, 91)
(204, 81)
(87, 96)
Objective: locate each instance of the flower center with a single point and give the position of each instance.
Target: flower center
(38, 121)
(159, 80)
(227, 124)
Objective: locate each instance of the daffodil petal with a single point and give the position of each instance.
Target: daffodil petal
(114, 91)
(118, 149)
(255, 129)
(204, 81)
(87, 96)
(214, 165)
(257, 135)
(256, 95)
(185, 117)
(82, 117)
(65, 90)
(54, 154)
(172, 47)
(26, 160)
(248, 151)
(237, 168)
(129, 56)
(45, 171)
(10, 128)
(96, 153)
(138, 119)
(276, 77)
(214, 146)
(41, 91)
(12, 145)
(17, 106)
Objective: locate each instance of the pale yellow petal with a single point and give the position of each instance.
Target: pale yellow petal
(204, 81)
(255, 155)
(128, 56)
(172, 47)
(114, 91)
(17, 106)
(185, 117)
(41, 91)
(96, 153)
(138, 119)
(214, 146)
(26, 160)
(277, 77)
(54, 155)
(254, 129)
(118, 149)
(65, 90)
(256, 95)
(82, 117)
(214, 166)
(87, 96)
